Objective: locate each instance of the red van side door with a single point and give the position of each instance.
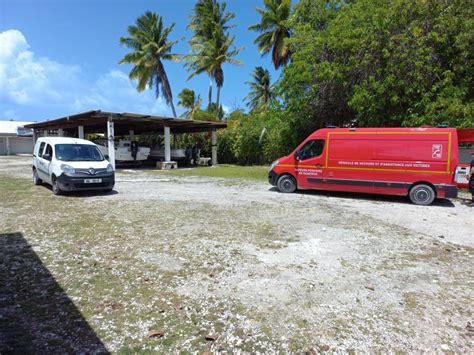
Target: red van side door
(350, 163)
(310, 165)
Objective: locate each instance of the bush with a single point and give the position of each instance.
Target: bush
(255, 138)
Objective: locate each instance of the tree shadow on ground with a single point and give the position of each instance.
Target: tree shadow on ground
(36, 315)
(368, 197)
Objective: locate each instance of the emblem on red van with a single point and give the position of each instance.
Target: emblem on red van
(437, 151)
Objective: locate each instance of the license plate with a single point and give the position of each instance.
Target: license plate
(92, 181)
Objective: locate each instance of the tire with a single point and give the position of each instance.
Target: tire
(422, 194)
(286, 184)
(55, 187)
(36, 179)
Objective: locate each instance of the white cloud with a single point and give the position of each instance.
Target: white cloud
(26, 80)
(226, 109)
(11, 42)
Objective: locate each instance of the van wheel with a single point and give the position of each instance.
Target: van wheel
(36, 179)
(422, 195)
(286, 184)
(55, 186)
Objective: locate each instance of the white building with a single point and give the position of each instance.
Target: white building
(14, 139)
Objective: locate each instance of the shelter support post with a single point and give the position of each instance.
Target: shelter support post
(80, 132)
(8, 145)
(131, 133)
(45, 133)
(60, 132)
(214, 147)
(167, 145)
(35, 136)
(110, 141)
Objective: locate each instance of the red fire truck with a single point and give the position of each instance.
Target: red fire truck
(415, 162)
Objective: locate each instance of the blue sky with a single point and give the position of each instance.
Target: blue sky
(59, 57)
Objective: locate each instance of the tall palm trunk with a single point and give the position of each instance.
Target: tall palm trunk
(172, 109)
(161, 73)
(210, 93)
(218, 97)
(219, 78)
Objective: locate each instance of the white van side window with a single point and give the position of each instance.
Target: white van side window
(48, 150)
(40, 149)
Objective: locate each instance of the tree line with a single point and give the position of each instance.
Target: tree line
(355, 62)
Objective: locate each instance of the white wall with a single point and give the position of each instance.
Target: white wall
(3, 148)
(18, 145)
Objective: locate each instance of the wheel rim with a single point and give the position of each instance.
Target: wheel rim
(422, 195)
(35, 176)
(286, 185)
(55, 186)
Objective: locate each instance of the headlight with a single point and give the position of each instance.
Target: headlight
(275, 163)
(110, 168)
(67, 169)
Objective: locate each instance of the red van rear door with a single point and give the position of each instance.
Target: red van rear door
(310, 165)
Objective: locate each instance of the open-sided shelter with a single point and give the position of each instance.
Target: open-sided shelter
(121, 124)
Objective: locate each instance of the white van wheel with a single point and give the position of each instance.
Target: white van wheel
(55, 187)
(36, 179)
(422, 194)
(286, 184)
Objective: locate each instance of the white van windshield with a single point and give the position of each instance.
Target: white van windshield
(78, 152)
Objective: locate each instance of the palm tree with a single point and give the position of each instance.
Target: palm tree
(209, 15)
(189, 100)
(261, 91)
(150, 46)
(273, 31)
(211, 45)
(218, 52)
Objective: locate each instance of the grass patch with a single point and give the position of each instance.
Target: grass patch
(222, 171)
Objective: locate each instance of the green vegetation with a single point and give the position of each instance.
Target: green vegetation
(362, 63)
(223, 171)
(380, 63)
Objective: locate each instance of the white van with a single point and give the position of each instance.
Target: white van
(71, 164)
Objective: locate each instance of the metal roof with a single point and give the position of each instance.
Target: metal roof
(10, 128)
(95, 122)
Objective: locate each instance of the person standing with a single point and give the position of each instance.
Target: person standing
(471, 179)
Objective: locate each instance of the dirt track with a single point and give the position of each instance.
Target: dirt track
(261, 270)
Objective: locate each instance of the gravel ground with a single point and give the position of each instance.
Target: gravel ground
(211, 264)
